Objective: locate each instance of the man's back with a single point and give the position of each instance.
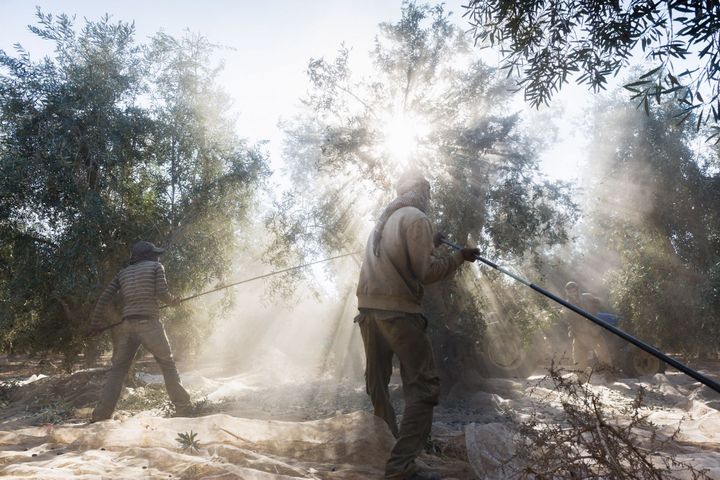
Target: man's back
(141, 285)
(394, 279)
(399, 260)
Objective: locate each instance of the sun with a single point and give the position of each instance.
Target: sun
(403, 135)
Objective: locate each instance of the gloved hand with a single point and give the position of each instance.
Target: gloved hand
(438, 238)
(470, 254)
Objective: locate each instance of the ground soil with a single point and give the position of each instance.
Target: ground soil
(253, 426)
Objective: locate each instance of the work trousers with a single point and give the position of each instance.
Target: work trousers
(586, 341)
(403, 335)
(128, 336)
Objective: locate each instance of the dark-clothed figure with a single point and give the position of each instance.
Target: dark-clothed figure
(587, 337)
(399, 260)
(141, 285)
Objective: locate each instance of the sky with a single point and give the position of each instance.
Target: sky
(268, 46)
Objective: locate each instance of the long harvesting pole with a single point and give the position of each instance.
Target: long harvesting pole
(624, 335)
(251, 279)
(276, 272)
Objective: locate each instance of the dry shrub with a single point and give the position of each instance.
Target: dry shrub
(590, 439)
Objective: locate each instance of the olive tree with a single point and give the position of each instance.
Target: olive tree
(103, 143)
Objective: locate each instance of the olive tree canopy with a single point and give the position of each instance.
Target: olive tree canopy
(547, 42)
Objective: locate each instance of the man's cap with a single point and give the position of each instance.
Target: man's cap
(143, 248)
(409, 180)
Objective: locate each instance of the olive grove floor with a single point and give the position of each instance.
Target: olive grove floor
(319, 428)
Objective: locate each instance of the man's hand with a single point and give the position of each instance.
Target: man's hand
(438, 238)
(175, 301)
(470, 254)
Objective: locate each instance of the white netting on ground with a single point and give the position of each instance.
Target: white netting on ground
(327, 432)
(352, 446)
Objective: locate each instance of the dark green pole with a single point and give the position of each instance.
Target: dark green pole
(624, 335)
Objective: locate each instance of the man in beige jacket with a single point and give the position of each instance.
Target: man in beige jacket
(399, 260)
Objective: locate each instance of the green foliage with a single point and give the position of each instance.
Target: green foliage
(547, 42)
(427, 102)
(204, 406)
(188, 441)
(53, 413)
(102, 144)
(657, 205)
(483, 168)
(147, 397)
(528, 310)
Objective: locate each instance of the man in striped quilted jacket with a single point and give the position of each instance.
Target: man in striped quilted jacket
(141, 284)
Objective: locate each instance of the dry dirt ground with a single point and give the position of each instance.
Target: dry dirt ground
(260, 426)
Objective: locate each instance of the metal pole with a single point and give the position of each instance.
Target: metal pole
(277, 272)
(223, 287)
(624, 335)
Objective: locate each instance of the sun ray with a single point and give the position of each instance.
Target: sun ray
(403, 135)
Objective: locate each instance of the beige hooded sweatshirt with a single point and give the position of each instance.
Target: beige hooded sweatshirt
(394, 280)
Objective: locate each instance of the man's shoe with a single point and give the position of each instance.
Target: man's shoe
(188, 410)
(99, 414)
(98, 418)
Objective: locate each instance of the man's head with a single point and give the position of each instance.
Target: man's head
(413, 180)
(143, 250)
(572, 290)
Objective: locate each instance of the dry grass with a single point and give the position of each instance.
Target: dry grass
(590, 439)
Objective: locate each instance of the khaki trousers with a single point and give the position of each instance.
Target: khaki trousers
(401, 334)
(129, 335)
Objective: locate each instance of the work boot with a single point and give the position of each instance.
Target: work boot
(99, 418)
(185, 410)
(100, 414)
